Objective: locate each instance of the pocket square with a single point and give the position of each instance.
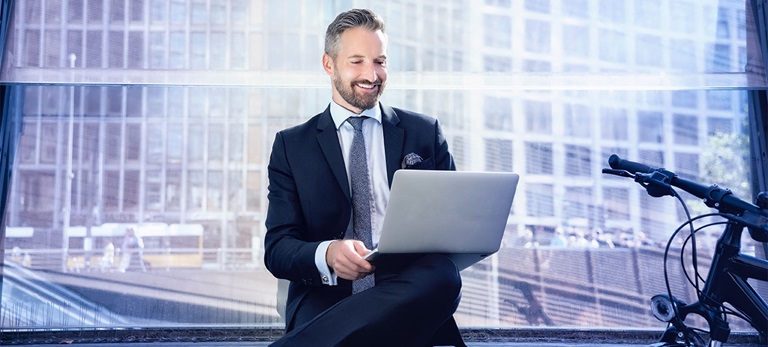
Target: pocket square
(410, 159)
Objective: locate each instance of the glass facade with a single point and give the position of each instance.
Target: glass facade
(160, 115)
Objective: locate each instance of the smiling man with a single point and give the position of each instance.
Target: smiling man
(358, 71)
(329, 181)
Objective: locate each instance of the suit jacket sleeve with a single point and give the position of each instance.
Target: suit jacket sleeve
(288, 252)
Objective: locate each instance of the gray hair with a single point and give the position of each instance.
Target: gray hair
(354, 18)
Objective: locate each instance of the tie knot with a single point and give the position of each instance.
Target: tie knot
(356, 122)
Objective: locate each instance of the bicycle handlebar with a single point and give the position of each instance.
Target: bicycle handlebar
(657, 182)
(621, 164)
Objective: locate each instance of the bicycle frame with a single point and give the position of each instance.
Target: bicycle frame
(727, 282)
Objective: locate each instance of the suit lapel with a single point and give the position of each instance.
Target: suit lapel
(393, 140)
(329, 143)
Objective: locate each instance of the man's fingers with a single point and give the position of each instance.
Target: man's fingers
(345, 257)
(357, 258)
(358, 263)
(349, 272)
(360, 248)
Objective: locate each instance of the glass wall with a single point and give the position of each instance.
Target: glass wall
(158, 116)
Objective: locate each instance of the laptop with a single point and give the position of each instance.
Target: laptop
(459, 213)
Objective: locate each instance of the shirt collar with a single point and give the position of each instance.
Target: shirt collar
(340, 114)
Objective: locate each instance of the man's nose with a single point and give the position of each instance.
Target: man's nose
(370, 73)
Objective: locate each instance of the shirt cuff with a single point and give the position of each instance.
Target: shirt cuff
(326, 275)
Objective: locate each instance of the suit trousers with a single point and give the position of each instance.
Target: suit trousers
(412, 304)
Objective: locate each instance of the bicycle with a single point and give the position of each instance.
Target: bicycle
(729, 271)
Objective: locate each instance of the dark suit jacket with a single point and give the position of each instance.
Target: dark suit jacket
(309, 194)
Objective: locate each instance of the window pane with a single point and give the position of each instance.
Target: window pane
(538, 117)
(614, 123)
(498, 113)
(540, 200)
(686, 129)
(578, 120)
(495, 24)
(173, 107)
(498, 155)
(578, 160)
(537, 36)
(650, 127)
(538, 158)
(576, 41)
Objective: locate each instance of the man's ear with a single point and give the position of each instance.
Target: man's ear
(328, 64)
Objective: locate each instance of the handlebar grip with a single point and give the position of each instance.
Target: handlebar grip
(621, 164)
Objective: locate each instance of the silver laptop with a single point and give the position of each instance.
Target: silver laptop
(459, 213)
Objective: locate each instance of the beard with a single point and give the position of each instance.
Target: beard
(361, 101)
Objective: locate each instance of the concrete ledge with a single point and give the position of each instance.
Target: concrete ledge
(225, 334)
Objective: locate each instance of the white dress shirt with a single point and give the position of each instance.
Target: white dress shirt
(377, 169)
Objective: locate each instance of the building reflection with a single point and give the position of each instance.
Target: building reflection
(186, 162)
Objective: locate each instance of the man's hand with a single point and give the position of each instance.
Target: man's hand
(345, 257)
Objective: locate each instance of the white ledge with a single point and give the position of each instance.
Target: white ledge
(403, 81)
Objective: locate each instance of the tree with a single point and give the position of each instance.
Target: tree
(726, 163)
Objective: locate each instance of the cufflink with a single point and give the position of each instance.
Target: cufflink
(325, 279)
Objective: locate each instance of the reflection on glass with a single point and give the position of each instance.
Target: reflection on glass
(171, 141)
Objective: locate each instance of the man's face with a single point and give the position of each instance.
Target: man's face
(359, 72)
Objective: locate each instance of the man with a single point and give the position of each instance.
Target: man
(132, 243)
(314, 237)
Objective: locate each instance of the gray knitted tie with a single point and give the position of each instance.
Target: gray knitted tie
(361, 196)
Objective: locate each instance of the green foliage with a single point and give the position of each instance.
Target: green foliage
(725, 163)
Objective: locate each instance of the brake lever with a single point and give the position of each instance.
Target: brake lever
(656, 183)
(621, 173)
